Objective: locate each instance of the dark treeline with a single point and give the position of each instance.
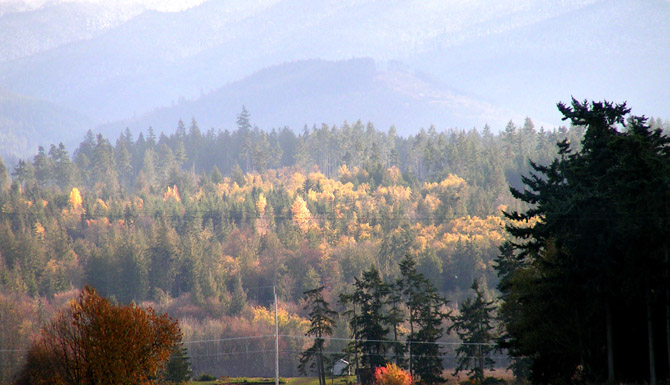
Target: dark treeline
(585, 276)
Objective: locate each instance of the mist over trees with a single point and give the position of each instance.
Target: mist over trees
(196, 223)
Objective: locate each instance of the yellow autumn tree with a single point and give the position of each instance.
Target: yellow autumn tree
(285, 319)
(75, 198)
(295, 183)
(301, 214)
(261, 203)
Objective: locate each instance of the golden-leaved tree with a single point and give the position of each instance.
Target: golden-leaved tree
(301, 214)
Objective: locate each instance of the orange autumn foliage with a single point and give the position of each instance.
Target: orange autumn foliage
(391, 374)
(94, 341)
(172, 192)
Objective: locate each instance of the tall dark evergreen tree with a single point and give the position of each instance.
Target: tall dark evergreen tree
(396, 318)
(643, 174)
(321, 319)
(24, 172)
(369, 322)
(427, 355)
(178, 368)
(474, 326)
(426, 315)
(238, 297)
(63, 168)
(589, 253)
(104, 176)
(43, 168)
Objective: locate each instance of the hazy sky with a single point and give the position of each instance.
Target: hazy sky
(452, 63)
(159, 5)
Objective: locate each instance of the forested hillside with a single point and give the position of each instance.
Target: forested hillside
(200, 224)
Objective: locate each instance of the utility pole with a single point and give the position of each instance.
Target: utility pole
(274, 292)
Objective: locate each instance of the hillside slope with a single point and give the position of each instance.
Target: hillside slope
(312, 92)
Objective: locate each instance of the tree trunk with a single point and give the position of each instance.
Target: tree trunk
(358, 376)
(610, 343)
(318, 368)
(650, 335)
(667, 304)
(411, 337)
(481, 362)
(395, 333)
(322, 371)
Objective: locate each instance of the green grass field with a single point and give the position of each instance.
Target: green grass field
(502, 374)
(271, 381)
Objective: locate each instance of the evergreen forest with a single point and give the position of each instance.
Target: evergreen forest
(563, 230)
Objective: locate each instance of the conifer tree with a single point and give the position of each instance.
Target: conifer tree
(43, 168)
(123, 163)
(427, 355)
(396, 318)
(178, 368)
(239, 297)
(5, 181)
(63, 168)
(215, 176)
(104, 176)
(368, 321)
(321, 319)
(426, 314)
(24, 173)
(475, 329)
(594, 263)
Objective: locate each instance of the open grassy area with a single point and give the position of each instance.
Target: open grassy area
(498, 373)
(271, 381)
(315, 381)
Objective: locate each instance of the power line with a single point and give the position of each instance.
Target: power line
(229, 339)
(445, 343)
(391, 341)
(497, 356)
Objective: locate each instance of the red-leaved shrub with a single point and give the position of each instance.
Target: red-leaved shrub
(391, 374)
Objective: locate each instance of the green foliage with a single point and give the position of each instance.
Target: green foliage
(474, 327)
(321, 319)
(367, 318)
(178, 368)
(202, 247)
(589, 252)
(426, 315)
(374, 308)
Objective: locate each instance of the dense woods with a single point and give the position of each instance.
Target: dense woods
(584, 279)
(201, 224)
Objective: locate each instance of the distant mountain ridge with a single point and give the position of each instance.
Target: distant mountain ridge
(312, 92)
(33, 31)
(27, 122)
(507, 59)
